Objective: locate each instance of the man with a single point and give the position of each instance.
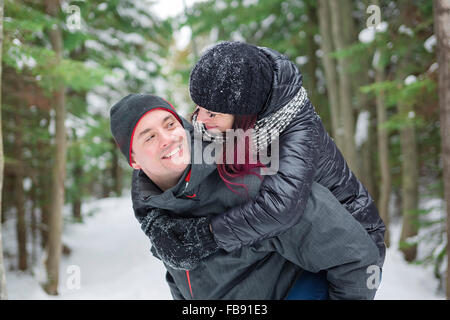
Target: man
(170, 194)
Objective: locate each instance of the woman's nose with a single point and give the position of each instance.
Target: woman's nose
(202, 116)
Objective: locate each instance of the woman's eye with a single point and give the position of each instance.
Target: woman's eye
(171, 124)
(212, 115)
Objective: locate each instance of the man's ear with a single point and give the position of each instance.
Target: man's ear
(133, 162)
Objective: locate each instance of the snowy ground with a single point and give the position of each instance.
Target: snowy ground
(111, 256)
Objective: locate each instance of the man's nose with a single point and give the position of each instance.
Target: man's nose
(165, 139)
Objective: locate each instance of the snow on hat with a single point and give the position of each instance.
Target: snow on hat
(126, 114)
(232, 77)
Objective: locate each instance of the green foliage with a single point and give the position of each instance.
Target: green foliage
(118, 49)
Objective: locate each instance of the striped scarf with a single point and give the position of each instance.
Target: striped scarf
(266, 129)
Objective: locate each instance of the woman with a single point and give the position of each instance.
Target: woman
(309, 286)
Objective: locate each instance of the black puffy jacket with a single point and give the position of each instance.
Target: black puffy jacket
(306, 154)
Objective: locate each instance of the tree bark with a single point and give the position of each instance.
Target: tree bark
(341, 36)
(44, 183)
(77, 173)
(54, 245)
(383, 155)
(311, 48)
(3, 294)
(442, 31)
(410, 183)
(365, 103)
(116, 169)
(18, 195)
(329, 65)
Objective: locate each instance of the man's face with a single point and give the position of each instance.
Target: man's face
(160, 147)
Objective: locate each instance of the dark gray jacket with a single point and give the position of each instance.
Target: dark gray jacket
(306, 154)
(326, 238)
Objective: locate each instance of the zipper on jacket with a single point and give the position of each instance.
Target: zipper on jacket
(189, 283)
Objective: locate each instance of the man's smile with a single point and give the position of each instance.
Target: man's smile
(178, 149)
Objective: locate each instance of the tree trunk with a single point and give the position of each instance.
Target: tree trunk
(54, 245)
(410, 183)
(19, 195)
(341, 36)
(77, 176)
(329, 66)
(117, 170)
(367, 149)
(383, 156)
(442, 31)
(44, 184)
(311, 48)
(3, 294)
(365, 104)
(34, 223)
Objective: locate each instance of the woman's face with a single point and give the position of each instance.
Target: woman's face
(215, 121)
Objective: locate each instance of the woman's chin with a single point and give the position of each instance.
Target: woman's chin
(214, 131)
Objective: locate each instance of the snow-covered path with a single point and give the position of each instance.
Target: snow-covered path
(112, 255)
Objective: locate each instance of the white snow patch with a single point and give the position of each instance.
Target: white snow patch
(404, 281)
(362, 128)
(410, 79)
(367, 35)
(248, 3)
(301, 60)
(433, 67)
(183, 37)
(112, 254)
(405, 30)
(430, 43)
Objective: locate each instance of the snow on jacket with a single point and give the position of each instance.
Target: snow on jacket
(326, 238)
(306, 154)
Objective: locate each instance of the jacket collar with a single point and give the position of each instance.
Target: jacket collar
(287, 81)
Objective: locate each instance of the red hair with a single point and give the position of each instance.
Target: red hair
(228, 171)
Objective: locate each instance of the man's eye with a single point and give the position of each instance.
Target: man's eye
(171, 124)
(211, 115)
(150, 137)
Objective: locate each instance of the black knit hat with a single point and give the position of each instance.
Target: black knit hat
(126, 113)
(232, 77)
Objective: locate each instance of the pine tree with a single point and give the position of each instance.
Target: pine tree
(442, 31)
(3, 294)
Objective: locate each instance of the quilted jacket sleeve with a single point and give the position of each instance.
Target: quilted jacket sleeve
(282, 197)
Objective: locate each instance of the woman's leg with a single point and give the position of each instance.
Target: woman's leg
(310, 286)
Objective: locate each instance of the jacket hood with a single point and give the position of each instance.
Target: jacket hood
(287, 81)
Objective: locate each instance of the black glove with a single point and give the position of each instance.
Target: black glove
(179, 242)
